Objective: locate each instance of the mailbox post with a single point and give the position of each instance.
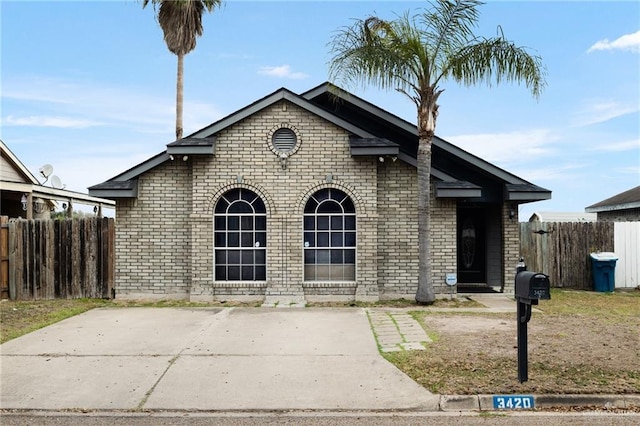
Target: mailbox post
(530, 287)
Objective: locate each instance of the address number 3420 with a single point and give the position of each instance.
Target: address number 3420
(512, 402)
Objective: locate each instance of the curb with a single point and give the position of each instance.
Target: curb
(485, 402)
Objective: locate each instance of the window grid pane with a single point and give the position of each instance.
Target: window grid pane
(240, 237)
(329, 237)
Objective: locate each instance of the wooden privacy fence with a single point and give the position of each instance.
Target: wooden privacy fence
(70, 258)
(562, 250)
(4, 257)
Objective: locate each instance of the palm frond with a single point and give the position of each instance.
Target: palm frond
(181, 21)
(386, 54)
(496, 60)
(448, 25)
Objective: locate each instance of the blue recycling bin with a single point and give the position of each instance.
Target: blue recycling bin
(603, 266)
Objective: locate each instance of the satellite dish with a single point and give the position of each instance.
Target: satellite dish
(46, 170)
(56, 182)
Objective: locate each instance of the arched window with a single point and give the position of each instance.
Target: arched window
(240, 237)
(329, 237)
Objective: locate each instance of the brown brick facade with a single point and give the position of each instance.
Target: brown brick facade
(153, 244)
(165, 237)
(511, 247)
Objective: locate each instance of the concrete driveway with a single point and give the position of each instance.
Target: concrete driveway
(206, 359)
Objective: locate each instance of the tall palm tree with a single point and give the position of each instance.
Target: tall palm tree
(415, 55)
(181, 23)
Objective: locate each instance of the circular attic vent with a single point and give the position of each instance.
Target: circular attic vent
(284, 140)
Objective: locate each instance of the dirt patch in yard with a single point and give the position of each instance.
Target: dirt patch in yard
(561, 339)
(477, 354)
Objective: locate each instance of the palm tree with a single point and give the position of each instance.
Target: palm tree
(415, 55)
(181, 23)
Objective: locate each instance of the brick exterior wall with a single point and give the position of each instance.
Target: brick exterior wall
(153, 236)
(443, 237)
(398, 233)
(165, 237)
(398, 230)
(511, 248)
(245, 158)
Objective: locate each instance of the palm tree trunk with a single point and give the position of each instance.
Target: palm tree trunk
(425, 293)
(179, 96)
(427, 113)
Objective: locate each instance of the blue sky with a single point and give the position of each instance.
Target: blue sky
(89, 87)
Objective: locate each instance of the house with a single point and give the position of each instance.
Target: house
(309, 197)
(23, 196)
(623, 207)
(562, 217)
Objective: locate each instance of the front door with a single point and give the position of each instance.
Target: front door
(472, 255)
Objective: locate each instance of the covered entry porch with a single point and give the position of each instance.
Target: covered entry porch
(487, 233)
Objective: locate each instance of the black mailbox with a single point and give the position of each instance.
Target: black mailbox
(533, 286)
(530, 287)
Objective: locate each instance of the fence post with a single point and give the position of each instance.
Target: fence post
(4, 257)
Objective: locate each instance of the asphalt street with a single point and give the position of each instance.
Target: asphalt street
(323, 418)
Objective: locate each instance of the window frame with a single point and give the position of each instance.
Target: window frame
(240, 237)
(332, 235)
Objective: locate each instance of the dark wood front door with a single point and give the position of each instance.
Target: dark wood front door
(472, 255)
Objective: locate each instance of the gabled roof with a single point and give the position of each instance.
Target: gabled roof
(203, 141)
(278, 95)
(373, 131)
(17, 165)
(458, 164)
(625, 200)
(31, 185)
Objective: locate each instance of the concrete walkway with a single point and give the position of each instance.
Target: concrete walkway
(207, 359)
(396, 330)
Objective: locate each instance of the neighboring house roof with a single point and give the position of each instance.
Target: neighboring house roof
(563, 217)
(12, 168)
(623, 201)
(16, 178)
(373, 131)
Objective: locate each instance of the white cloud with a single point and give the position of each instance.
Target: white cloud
(49, 121)
(114, 106)
(618, 146)
(634, 171)
(505, 148)
(601, 111)
(283, 71)
(552, 173)
(626, 42)
(86, 102)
